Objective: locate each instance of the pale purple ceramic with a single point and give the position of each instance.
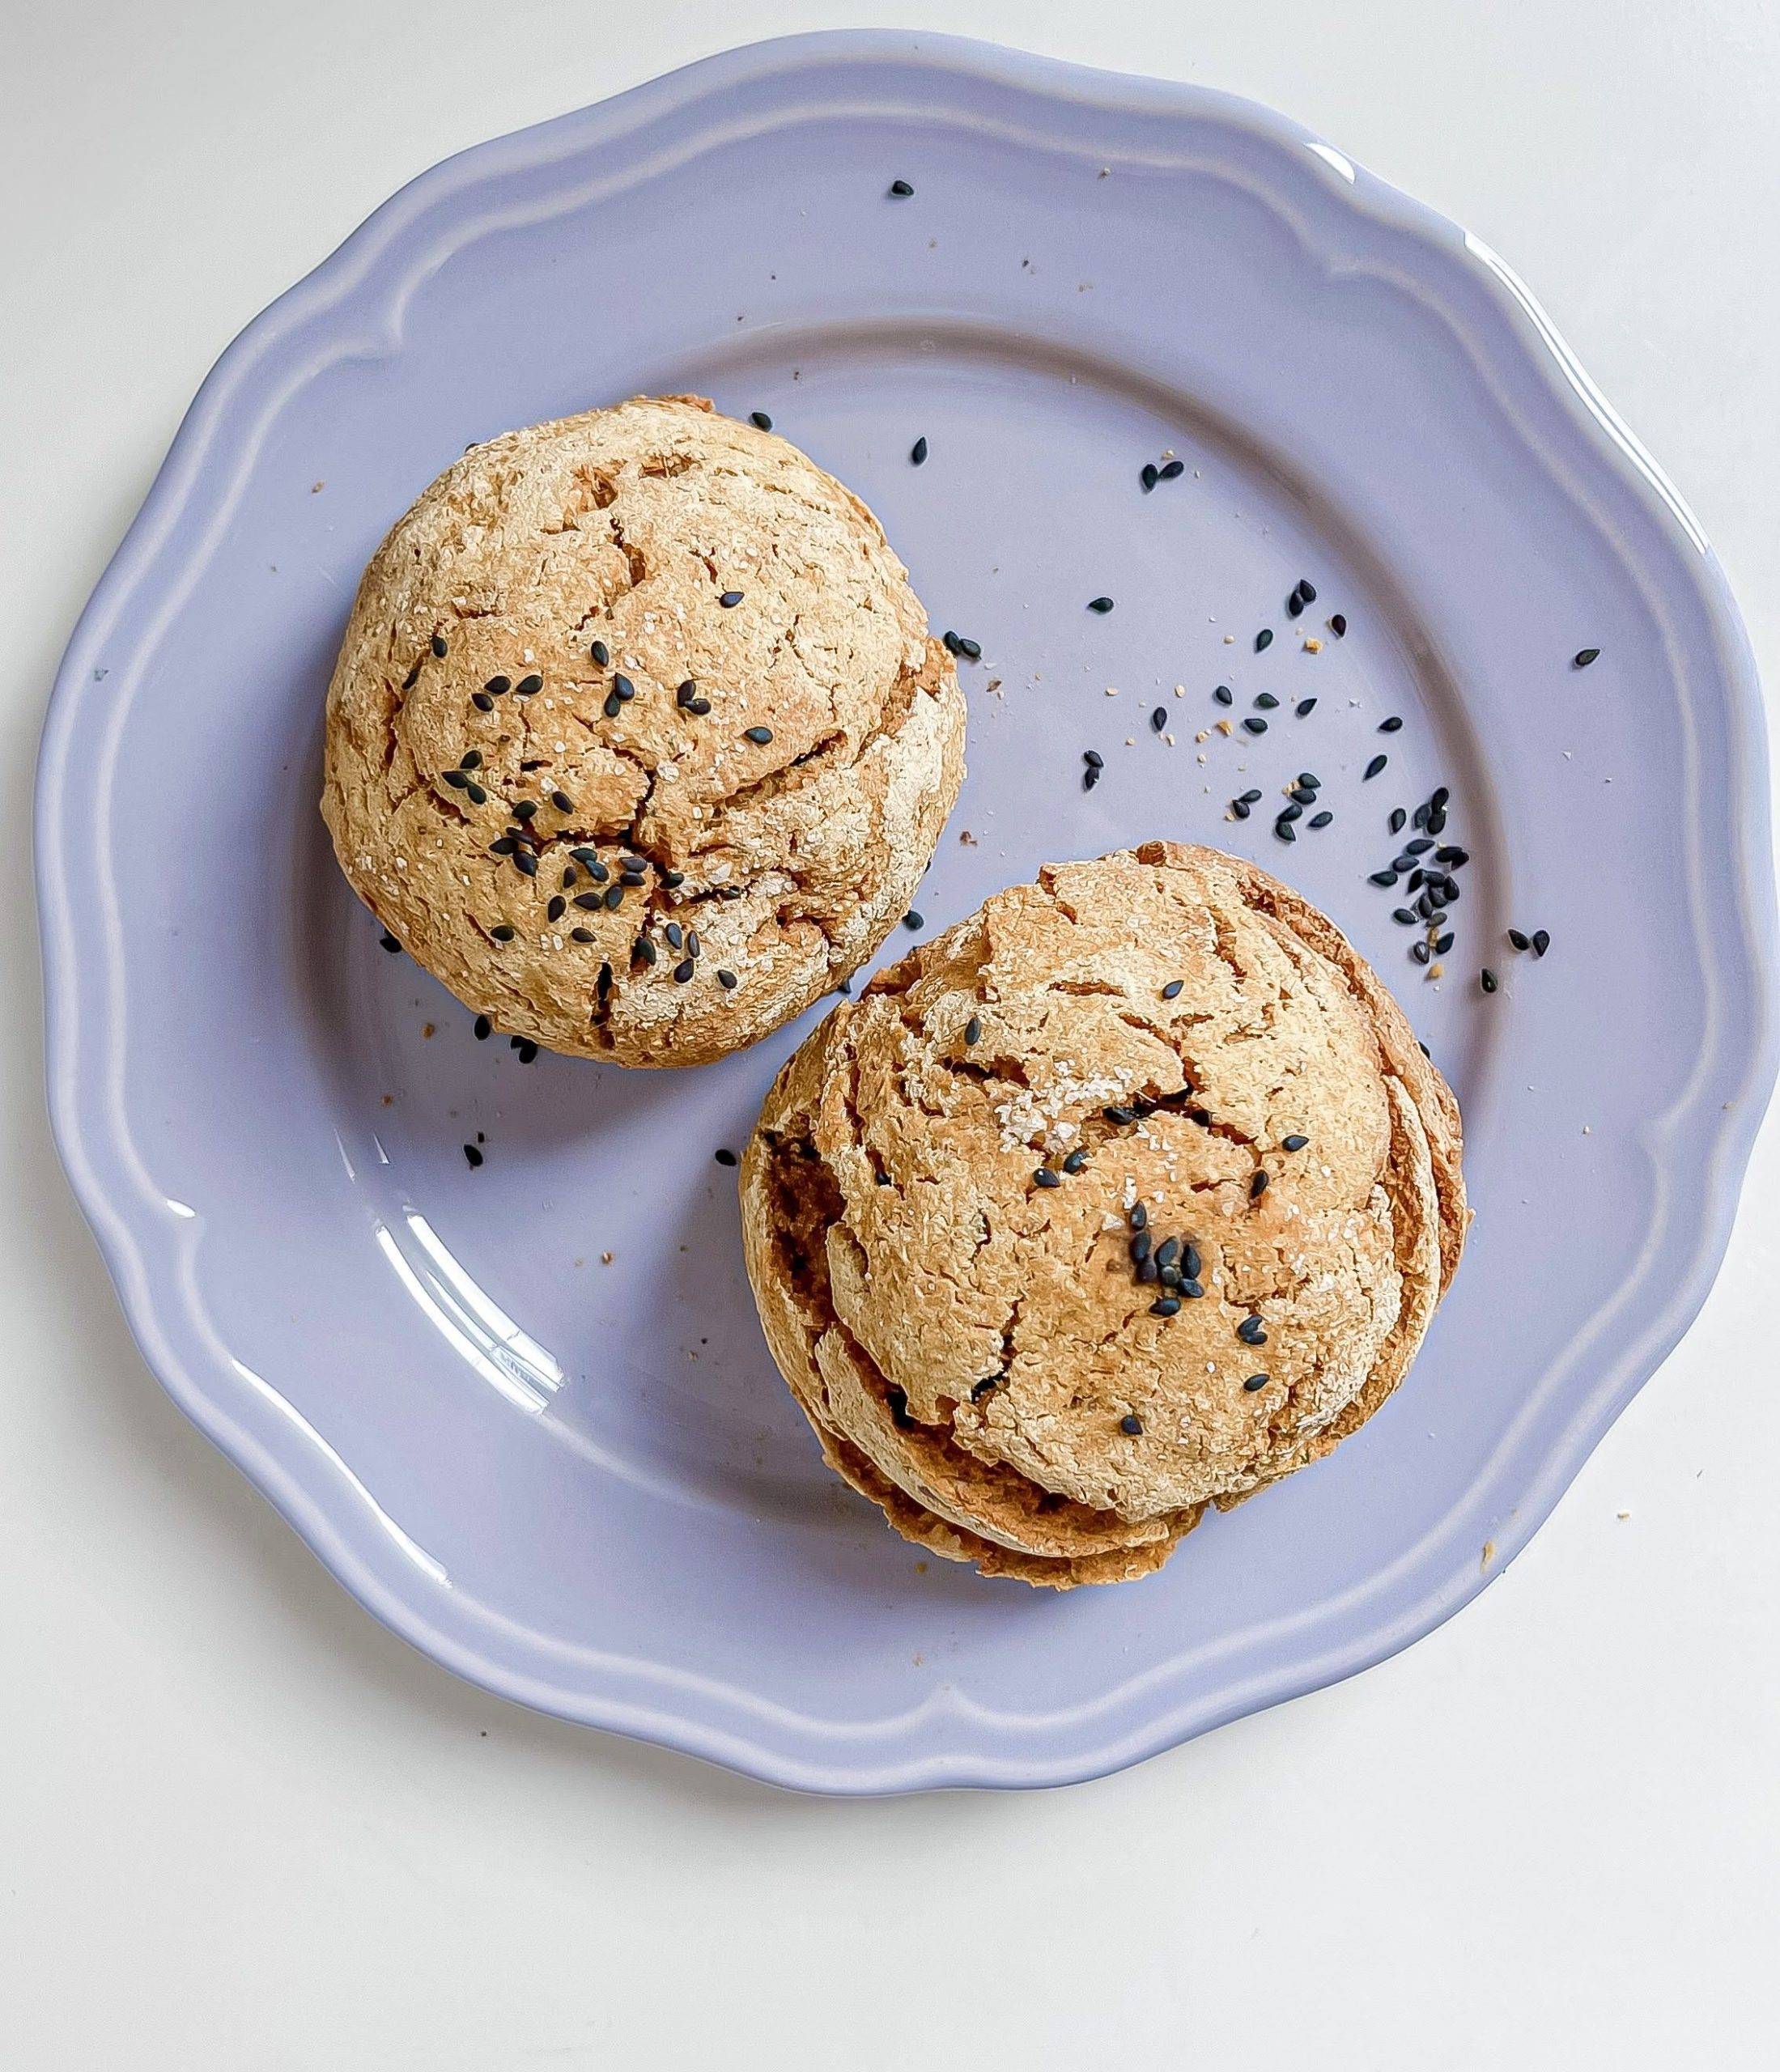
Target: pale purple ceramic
(581, 1484)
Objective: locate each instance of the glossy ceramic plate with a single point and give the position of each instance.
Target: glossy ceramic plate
(525, 1413)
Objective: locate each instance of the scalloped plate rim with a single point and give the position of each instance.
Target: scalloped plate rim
(636, 1702)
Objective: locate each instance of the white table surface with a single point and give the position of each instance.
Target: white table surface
(242, 1827)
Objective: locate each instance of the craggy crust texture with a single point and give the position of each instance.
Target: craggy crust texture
(969, 1342)
(793, 856)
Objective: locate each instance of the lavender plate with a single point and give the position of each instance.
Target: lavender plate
(524, 1412)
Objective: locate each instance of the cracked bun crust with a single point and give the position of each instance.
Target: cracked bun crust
(1160, 1078)
(637, 739)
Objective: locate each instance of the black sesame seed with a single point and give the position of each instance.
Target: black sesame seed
(1090, 777)
(1293, 1143)
(389, 942)
(760, 736)
(972, 1030)
(1075, 1162)
(727, 979)
(1375, 766)
(980, 1388)
(1519, 939)
(676, 936)
(1382, 877)
(473, 1156)
(682, 970)
(1240, 807)
(504, 846)
(693, 945)
(1165, 1306)
(613, 896)
(525, 863)
(1421, 952)
(643, 950)
(476, 795)
(1258, 1186)
(1338, 626)
(760, 417)
(1306, 590)
(558, 907)
(911, 920)
(1251, 1331)
(1294, 604)
(1191, 1262)
(1442, 944)
(1255, 1382)
(456, 780)
(1398, 817)
(1149, 475)
(1093, 758)
(949, 642)
(1405, 916)
(1418, 845)
(412, 678)
(1267, 701)
(581, 935)
(601, 654)
(902, 190)
(1305, 708)
(1252, 797)
(1158, 718)
(1170, 469)
(1284, 828)
(503, 931)
(562, 801)
(481, 701)
(438, 647)
(482, 1028)
(1264, 638)
(1131, 1425)
(1045, 1177)
(670, 879)
(1101, 605)
(1320, 819)
(917, 452)
(1255, 726)
(1584, 656)
(528, 686)
(1541, 941)
(1139, 1216)
(589, 902)
(970, 650)
(1487, 979)
(524, 809)
(730, 599)
(1390, 726)
(1171, 991)
(1437, 798)
(1223, 695)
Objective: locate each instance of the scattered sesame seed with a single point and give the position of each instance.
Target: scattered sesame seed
(528, 686)
(1305, 708)
(902, 190)
(682, 970)
(1223, 695)
(727, 979)
(1375, 766)
(1255, 726)
(1131, 1425)
(1541, 941)
(1487, 979)
(1295, 1143)
(1149, 475)
(1255, 1382)
(1045, 1177)
(1390, 726)
(503, 931)
(1264, 639)
(725, 1156)
(481, 701)
(913, 919)
(1075, 1161)
(389, 943)
(438, 647)
(562, 801)
(1158, 718)
(1584, 656)
(1171, 991)
(1266, 701)
(730, 599)
(1170, 470)
(580, 934)
(1398, 818)
(1338, 626)
(1258, 1186)
(1101, 605)
(601, 654)
(482, 1028)
(760, 736)
(759, 418)
(473, 1156)
(1320, 819)
(917, 453)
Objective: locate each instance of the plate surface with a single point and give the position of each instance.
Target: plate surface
(525, 1413)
